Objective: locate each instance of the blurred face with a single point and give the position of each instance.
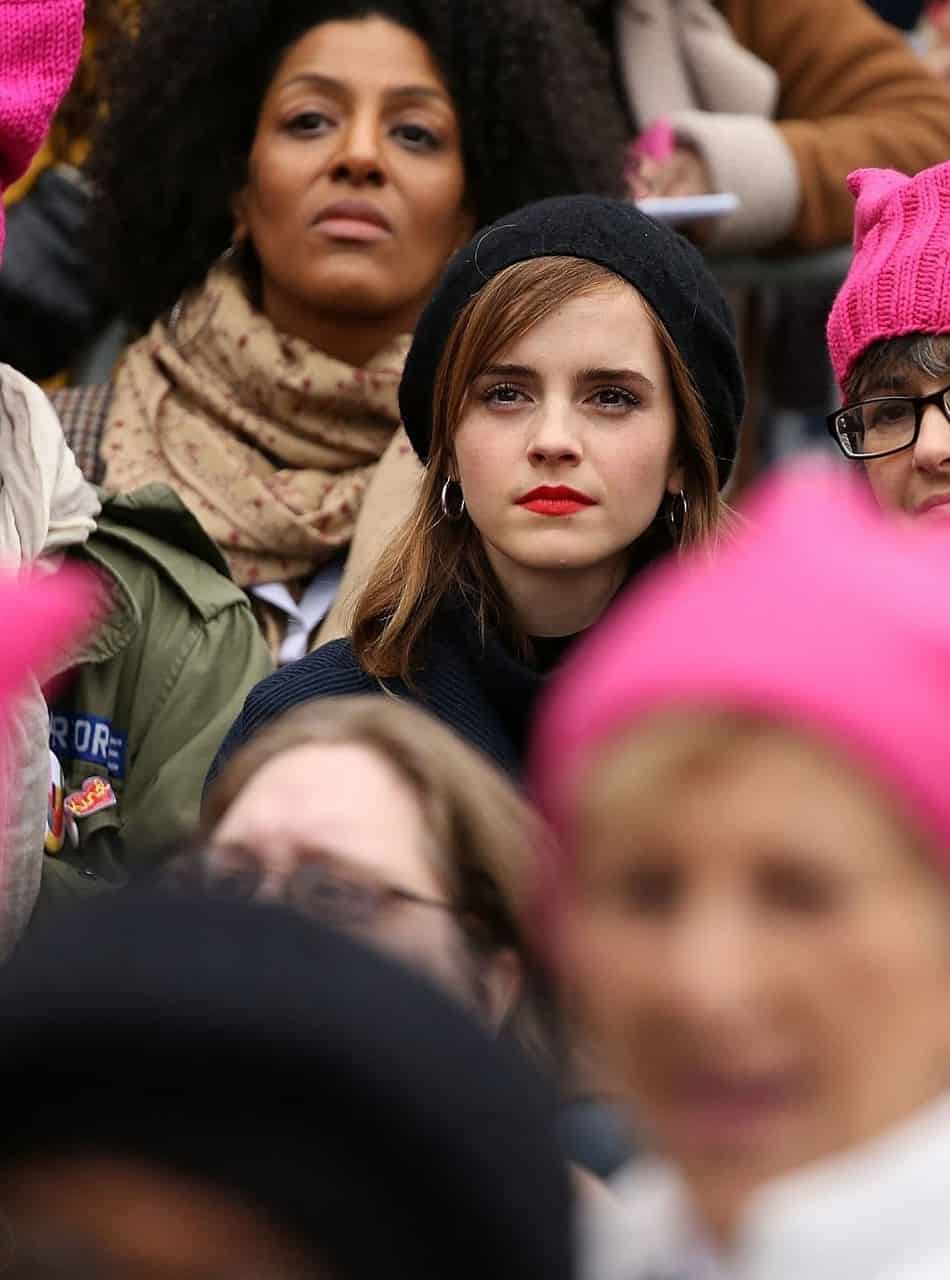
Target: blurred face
(915, 481)
(108, 1216)
(764, 957)
(356, 186)
(342, 809)
(567, 445)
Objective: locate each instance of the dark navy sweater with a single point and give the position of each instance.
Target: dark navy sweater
(480, 689)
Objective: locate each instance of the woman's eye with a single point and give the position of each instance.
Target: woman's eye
(615, 398)
(309, 123)
(650, 890)
(797, 890)
(417, 137)
(502, 395)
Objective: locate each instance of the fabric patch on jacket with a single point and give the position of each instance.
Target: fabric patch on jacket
(74, 736)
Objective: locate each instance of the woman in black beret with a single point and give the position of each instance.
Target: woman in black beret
(574, 392)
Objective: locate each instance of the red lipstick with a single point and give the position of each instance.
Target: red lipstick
(555, 500)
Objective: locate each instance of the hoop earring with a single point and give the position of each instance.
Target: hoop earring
(452, 516)
(676, 516)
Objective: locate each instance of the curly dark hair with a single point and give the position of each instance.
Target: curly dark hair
(531, 85)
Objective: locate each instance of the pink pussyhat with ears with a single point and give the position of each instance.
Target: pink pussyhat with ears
(899, 281)
(822, 614)
(40, 43)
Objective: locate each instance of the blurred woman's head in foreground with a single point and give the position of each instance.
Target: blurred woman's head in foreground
(208, 1089)
(746, 769)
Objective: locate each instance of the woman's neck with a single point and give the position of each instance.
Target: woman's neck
(351, 339)
(558, 602)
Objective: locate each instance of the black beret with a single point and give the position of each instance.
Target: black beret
(662, 265)
(256, 1050)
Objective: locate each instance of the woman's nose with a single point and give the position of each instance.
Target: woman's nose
(932, 450)
(713, 971)
(553, 440)
(359, 160)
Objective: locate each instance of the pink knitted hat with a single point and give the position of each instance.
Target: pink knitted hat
(823, 613)
(40, 43)
(899, 281)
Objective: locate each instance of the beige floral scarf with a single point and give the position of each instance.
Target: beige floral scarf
(269, 442)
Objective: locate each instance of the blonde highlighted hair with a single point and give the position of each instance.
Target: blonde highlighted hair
(431, 555)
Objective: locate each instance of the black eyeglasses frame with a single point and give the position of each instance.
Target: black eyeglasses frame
(940, 398)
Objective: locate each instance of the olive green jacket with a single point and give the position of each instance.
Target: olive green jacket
(147, 702)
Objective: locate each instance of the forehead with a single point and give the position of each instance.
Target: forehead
(751, 791)
(609, 327)
(371, 53)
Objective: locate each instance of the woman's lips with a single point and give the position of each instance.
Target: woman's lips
(938, 506)
(354, 220)
(716, 1111)
(555, 500)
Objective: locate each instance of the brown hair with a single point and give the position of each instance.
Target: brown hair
(875, 369)
(482, 833)
(431, 555)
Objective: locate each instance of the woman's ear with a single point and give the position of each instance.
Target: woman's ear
(502, 979)
(676, 481)
(239, 213)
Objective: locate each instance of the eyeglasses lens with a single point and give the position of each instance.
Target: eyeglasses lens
(331, 898)
(877, 426)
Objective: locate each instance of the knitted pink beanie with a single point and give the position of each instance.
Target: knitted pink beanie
(40, 43)
(823, 613)
(899, 281)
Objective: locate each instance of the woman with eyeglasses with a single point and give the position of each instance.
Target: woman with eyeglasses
(370, 814)
(889, 338)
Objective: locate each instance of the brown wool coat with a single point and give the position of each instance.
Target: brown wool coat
(849, 94)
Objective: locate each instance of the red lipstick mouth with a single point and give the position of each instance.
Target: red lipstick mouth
(556, 493)
(555, 500)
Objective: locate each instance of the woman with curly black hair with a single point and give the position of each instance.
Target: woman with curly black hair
(280, 184)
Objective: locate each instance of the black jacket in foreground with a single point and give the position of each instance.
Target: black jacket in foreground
(479, 689)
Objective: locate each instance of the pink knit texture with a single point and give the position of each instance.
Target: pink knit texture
(899, 281)
(823, 614)
(40, 43)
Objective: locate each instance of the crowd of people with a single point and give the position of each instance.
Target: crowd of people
(445, 828)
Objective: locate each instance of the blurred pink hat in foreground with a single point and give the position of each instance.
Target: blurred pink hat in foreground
(41, 619)
(822, 613)
(40, 43)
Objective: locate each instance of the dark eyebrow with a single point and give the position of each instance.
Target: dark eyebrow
(337, 86)
(507, 371)
(615, 375)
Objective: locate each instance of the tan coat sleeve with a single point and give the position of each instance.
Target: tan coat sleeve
(852, 95)
(389, 499)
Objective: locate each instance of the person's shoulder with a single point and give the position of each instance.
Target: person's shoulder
(327, 672)
(150, 533)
